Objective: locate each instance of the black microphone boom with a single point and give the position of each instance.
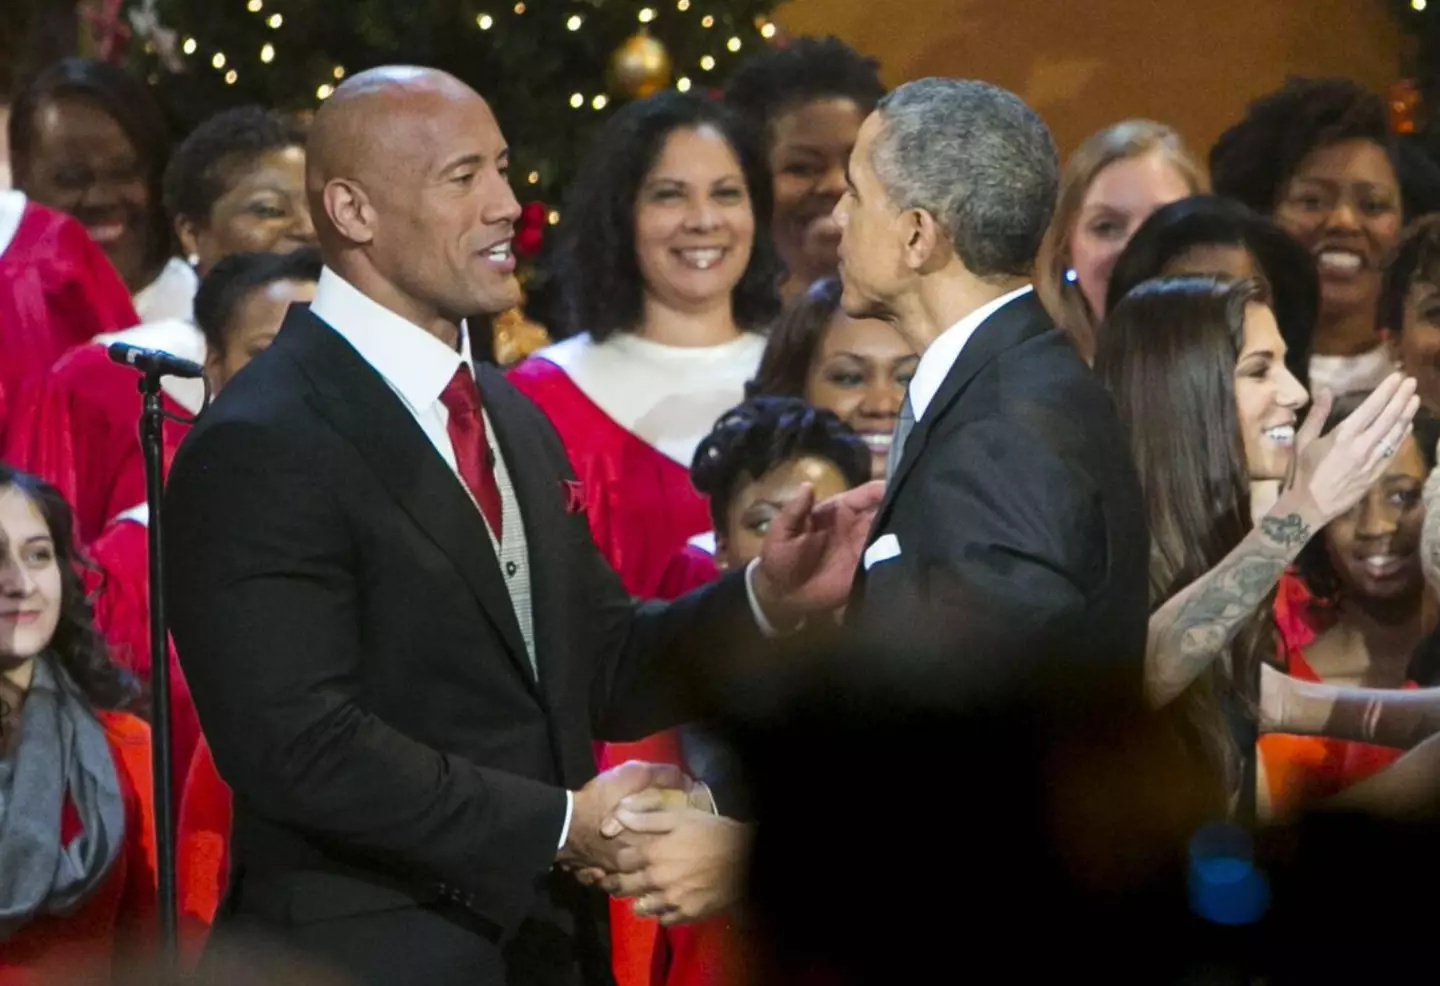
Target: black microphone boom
(154, 362)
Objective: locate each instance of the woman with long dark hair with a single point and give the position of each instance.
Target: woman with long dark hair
(1196, 365)
(670, 277)
(76, 818)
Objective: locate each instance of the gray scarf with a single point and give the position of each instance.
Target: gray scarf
(62, 751)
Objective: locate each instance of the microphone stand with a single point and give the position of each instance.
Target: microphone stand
(152, 421)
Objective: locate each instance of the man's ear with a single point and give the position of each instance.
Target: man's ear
(926, 244)
(347, 206)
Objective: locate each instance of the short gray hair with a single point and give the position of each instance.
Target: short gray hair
(979, 160)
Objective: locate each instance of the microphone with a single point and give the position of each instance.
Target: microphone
(153, 361)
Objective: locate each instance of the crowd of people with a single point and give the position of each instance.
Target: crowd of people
(864, 414)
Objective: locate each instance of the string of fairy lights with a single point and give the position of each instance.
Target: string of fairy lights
(485, 22)
(275, 20)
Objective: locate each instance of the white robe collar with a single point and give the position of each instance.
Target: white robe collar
(178, 338)
(667, 396)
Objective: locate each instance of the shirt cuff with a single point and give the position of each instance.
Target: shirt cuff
(766, 627)
(569, 813)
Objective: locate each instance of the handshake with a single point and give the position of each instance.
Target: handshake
(648, 833)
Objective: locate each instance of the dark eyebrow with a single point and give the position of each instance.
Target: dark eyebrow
(39, 538)
(465, 161)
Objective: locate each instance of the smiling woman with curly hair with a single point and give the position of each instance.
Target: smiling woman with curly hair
(669, 278)
(1317, 156)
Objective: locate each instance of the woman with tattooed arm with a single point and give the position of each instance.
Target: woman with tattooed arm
(1180, 351)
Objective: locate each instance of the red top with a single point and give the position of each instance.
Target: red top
(120, 586)
(59, 292)
(78, 428)
(119, 917)
(641, 504)
(1304, 769)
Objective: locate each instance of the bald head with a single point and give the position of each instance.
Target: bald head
(406, 174)
(372, 126)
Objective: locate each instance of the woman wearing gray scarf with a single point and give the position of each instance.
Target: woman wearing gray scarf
(77, 874)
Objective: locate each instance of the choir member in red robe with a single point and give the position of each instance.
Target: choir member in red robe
(240, 306)
(76, 815)
(669, 274)
(60, 291)
(754, 461)
(90, 139)
(236, 183)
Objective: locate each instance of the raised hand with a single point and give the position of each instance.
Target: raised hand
(1334, 471)
(811, 552)
(586, 848)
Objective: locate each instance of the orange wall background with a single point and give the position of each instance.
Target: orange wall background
(1083, 64)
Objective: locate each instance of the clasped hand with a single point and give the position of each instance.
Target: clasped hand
(660, 844)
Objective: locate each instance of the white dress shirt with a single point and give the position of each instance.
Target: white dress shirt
(417, 367)
(940, 355)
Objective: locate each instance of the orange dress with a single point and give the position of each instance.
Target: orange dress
(118, 920)
(1304, 769)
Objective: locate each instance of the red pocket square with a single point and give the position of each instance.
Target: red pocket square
(574, 496)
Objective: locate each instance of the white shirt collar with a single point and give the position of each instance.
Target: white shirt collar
(415, 363)
(12, 210)
(940, 356)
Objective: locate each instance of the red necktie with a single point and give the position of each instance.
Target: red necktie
(472, 452)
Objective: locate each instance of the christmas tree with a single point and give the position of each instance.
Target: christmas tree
(551, 69)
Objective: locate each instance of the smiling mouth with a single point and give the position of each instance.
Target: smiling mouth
(500, 255)
(1383, 566)
(879, 444)
(106, 233)
(701, 258)
(1281, 435)
(1339, 262)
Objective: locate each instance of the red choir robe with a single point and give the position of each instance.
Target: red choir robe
(57, 291)
(120, 585)
(1301, 770)
(630, 413)
(117, 921)
(78, 426)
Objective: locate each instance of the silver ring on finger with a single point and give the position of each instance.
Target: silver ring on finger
(1387, 450)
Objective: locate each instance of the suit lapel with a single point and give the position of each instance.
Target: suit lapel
(1009, 327)
(361, 406)
(542, 510)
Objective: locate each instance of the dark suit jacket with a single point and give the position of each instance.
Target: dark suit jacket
(1017, 510)
(398, 772)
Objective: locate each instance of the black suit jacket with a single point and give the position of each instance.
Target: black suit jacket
(399, 773)
(1017, 511)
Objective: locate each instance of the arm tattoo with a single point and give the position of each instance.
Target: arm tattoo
(1208, 614)
(1288, 531)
